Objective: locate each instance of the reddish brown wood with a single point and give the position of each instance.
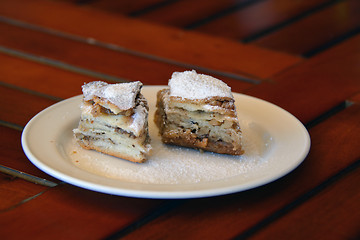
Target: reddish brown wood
(257, 18)
(41, 78)
(186, 12)
(356, 98)
(185, 46)
(87, 56)
(69, 212)
(307, 88)
(15, 191)
(21, 106)
(123, 6)
(225, 217)
(334, 213)
(317, 85)
(315, 30)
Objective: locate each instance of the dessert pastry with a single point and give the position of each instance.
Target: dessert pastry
(198, 111)
(114, 120)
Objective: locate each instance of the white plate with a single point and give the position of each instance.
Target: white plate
(275, 143)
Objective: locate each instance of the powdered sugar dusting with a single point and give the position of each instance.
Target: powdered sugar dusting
(120, 94)
(191, 85)
(177, 165)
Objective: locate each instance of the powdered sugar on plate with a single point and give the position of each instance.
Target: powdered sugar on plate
(178, 165)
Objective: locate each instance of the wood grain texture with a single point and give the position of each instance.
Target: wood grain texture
(334, 213)
(15, 191)
(86, 56)
(41, 78)
(48, 49)
(332, 150)
(355, 98)
(186, 12)
(164, 42)
(315, 30)
(23, 105)
(66, 211)
(318, 84)
(125, 6)
(256, 18)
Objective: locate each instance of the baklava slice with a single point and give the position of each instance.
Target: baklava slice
(198, 111)
(114, 120)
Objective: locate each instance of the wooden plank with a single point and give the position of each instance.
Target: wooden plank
(315, 30)
(356, 98)
(225, 217)
(257, 18)
(160, 41)
(66, 211)
(317, 85)
(87, 56)
(334, 213)
(23, 105)
(15, 191)
(64, 84)
(123, 6)
(41, 78)
(186, 12)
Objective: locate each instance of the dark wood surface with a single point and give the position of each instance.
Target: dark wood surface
(300, 55)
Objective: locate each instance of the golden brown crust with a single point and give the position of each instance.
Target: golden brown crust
(160, 116)
(189, 139)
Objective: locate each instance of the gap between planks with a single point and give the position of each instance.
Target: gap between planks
(61, 65)
(31, 92)
(331, 43)
(331, 112)
(27, 177)
(220, 14)
(167, 206)
(288, 22)
(150, 8)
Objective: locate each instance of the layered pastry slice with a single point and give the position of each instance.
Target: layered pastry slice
(198, 111)
(114, 120)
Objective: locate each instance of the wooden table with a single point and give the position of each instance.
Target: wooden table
(303, 56)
